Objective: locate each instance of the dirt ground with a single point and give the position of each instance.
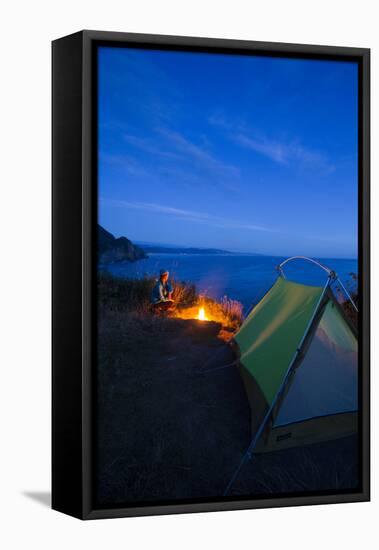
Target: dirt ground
(174, 421)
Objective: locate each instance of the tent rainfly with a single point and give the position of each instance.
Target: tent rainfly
(298, 360)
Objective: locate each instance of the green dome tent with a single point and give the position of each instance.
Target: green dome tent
(297, 356)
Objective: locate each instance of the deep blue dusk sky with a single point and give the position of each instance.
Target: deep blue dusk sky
(250, 154)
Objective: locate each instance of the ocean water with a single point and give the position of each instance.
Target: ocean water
(240, 277)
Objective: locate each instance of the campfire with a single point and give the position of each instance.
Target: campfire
(198, 312)
(207, 311)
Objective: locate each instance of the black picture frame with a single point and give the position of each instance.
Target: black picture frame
(74, 206)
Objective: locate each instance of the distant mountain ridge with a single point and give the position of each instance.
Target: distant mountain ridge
(162, 249)
(111, 250)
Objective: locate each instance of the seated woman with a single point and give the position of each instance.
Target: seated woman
(161, 296)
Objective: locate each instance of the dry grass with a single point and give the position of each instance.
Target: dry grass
(233, 310)
(331, 465)
(133, 295)
(161, 419)
(184, 293)
(118, 294)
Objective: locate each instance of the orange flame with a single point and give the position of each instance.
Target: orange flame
(202, 316)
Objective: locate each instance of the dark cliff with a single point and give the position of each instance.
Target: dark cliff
(112, 250)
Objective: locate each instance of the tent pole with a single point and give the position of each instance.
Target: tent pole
(319, 264)
(347, 294)
(251, 447)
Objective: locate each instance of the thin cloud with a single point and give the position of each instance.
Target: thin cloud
(284, 153)
(217, 119)
(188, 215)
(148, 147)
(175, 162)
(271, 149)
(281, 152)
(126, 162)
(199, 155)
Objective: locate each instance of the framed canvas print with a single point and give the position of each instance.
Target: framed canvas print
(210, 274)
